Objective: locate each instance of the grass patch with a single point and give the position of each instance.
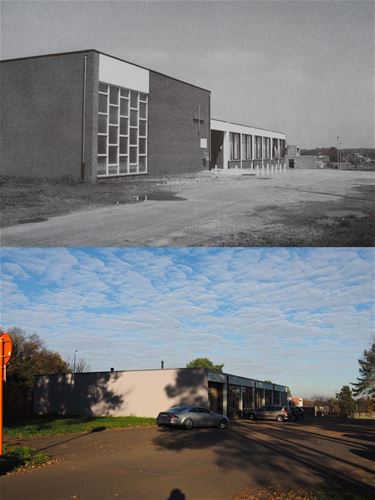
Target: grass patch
(30, 200)
(18, 458)
(51, 426)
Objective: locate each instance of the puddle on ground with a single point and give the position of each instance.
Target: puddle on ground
(346, 213)
(32, 220)
(264, 178)
(157, 197)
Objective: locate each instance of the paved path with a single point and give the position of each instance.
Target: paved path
(148, 463)
(222, 211)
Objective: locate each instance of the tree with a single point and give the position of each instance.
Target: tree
(345, 401)
(30, 357)
(81, 366)
(365, 385)
(333, 155)
(205, 363)
(330, 405)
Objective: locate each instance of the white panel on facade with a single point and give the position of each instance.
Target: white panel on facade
(203, 143)
(123, 74)
(244, 129)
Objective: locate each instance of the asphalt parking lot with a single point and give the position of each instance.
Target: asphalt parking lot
(249, 458)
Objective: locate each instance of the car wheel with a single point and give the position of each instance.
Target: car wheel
(188, 424)
(280, 418)
(251, 416)
(223, 424)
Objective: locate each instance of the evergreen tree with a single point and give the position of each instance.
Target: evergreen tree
(345, 401)
(365, 385)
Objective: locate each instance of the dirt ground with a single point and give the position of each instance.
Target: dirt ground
(249, 460)
(296, 208)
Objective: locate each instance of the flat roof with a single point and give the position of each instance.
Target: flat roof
(104, 54)
(250, 126)
(225, 374)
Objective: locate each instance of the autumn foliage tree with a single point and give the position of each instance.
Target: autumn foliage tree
(30, 357)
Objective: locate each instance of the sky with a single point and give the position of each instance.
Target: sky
(305, 68)
(299, 317)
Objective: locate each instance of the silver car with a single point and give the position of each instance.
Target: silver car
(279, 413)
(191, 416)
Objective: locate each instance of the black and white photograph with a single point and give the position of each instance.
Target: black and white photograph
(187, 264)
(187, 123)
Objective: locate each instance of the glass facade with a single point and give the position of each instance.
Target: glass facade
(234, 398)
(122, 131)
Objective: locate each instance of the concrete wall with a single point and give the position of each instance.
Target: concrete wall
(41, 116)
(138, 393)
(173, 138)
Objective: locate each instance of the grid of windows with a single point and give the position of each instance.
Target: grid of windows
(122, 131)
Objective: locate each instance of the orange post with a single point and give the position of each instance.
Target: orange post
(2, 366)
(5, 354)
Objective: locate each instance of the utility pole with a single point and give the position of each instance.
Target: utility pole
(74, 361)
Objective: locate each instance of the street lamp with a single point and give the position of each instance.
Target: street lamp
(74, 361)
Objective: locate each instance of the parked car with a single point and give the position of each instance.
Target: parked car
(296, 413)
(191, 416)
(279, 413)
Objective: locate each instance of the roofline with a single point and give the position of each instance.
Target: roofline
(104, 54)
(250, 126)
(226, 374)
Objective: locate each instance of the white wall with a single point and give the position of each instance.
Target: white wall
(139, 393)
(123, 74)
(244, 129)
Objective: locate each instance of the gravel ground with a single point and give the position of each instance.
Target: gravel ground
(296, 208)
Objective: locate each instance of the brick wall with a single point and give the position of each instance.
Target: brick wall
(41, 115)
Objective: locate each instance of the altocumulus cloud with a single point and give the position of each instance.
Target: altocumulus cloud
(301, 317)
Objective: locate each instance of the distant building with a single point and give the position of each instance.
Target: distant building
(296, 401)
(296, 160)
(242, 146)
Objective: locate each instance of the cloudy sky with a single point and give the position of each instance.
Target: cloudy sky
(301, 67)
(300, 317)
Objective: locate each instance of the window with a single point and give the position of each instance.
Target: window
(249, 146)
(122, 131)
(267, 147)
(204, 410)
(275, 148)
(282, 148)
(235, 146)
(258, 147)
